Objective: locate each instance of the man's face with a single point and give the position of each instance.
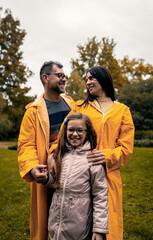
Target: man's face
(56, 80)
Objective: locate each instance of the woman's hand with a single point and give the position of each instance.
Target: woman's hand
(96, 157)
(51, 165)
(97, 236)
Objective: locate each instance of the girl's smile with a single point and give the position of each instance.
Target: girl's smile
(76, 135)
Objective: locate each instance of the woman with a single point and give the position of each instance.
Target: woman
(115, 137)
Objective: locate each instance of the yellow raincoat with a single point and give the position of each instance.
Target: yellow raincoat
(115, 132)
(33, 145)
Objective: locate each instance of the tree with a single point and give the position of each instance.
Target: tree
(96, 52)
(13, 73)
(135, 70)
(76, 86)
(139, 97)
(123, 71)
(5, 123)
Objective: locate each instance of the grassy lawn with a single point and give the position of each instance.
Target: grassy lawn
(137, 176)
(15, 195)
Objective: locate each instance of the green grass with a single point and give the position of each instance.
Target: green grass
(137, 176)
(14, 195)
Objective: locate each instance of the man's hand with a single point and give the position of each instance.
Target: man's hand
(97, 236)
(39, 173)
(51, 165)
(96, 157)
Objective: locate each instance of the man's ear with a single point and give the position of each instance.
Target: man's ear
(45, 78)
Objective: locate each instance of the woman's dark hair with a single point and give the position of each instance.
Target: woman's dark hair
(91, 136)
(104, 78)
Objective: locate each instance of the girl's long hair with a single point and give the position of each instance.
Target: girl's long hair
(104, 78)
(61, 149)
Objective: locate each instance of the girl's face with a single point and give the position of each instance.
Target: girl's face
(76, 132)
(93, 86)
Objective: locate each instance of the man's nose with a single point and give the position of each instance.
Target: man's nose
(64, 79)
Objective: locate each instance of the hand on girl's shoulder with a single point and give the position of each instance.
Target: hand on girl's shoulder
(97, 236)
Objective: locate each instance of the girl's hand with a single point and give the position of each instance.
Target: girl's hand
(97, 236)
(96, 157)
(51, 165)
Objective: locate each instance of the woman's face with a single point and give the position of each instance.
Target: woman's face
(93, 86)
(76, 132)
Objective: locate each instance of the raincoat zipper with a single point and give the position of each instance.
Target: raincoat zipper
(43, 131)
(104, 114)
(63, 196)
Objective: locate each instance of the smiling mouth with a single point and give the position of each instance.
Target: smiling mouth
(62, 83)
(75, 139)
(91, 88)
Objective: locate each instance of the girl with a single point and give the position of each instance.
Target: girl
(79, 209)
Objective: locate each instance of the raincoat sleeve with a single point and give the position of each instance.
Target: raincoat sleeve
(123, 146)
(100, 199)
(27, 151)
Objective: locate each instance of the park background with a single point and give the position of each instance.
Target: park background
(117, 34)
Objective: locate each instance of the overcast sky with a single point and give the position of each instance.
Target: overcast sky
(55, 28)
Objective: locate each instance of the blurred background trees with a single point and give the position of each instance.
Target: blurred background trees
(124, 71)
(133, 81)
(133, 78)
(139, 96)
(13, 76)
(96, 52)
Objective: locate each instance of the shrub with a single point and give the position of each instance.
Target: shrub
(13, 147)
(141, 134)
(143, 143)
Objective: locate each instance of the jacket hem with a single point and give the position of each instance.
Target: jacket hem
(100, 230)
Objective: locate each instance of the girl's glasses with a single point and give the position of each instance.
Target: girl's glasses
(79, 131)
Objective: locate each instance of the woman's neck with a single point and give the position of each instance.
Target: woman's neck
(104, 99)
(104, 103)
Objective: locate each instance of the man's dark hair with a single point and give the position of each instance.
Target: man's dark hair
(47, 68)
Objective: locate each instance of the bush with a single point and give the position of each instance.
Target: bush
(139, 98)
(141, 134)
(13, 147)
(143, 143)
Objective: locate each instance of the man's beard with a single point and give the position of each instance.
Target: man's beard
(57, 89)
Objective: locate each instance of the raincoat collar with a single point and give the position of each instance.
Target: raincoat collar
(96, 105)
(110, 112)
(80, 149)
(39, 101)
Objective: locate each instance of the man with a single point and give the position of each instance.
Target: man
(39, 128)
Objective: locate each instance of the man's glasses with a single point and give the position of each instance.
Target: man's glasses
(59, 75)
(91, 78)
(79, 131)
